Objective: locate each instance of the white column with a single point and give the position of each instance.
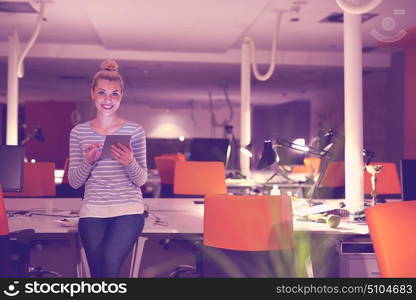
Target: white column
(245, 120)
(12, 92)
(353, 105)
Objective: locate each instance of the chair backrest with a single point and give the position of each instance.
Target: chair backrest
(334, 175)
(388, 181)
(299, 169)
(38, 180)
(199, 178)
(312, 164)
(175, 156)
(4, 224)
(248, 223)
(392, 227)
(165, 164)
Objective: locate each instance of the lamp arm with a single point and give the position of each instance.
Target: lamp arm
(311, 150)
(20, 69)
(26, 139)
(272, 65)
(358, 9)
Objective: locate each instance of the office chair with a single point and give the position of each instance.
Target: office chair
(391, 227)
(14, 247)
(310, 166)
(165, 165)
(313, 164)
(198, 178)
(388, 182)
(38, 180)
(248, 236)
(332, 184)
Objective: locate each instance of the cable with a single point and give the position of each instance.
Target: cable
(272, 65)
(214, 122)
(158, 220)
(20, 70)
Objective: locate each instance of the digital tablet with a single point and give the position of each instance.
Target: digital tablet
(114, 139)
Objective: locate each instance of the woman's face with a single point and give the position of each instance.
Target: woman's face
(107, 96)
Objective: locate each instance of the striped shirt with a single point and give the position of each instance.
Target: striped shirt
(111, 189)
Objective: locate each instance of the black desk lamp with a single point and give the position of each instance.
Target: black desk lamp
(37, 135)
(269, 157)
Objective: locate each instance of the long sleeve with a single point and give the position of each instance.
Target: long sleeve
(79, 169)
(137, 169)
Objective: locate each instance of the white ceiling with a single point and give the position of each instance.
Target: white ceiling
(176, 50)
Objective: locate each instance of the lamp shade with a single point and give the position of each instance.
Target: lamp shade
(268, 156)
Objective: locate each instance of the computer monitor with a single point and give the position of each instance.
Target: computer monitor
(408, 179)
(11, 168)
(209, 149)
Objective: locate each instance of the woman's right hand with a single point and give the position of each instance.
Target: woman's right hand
(92, 153)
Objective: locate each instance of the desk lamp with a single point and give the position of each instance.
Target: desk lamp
(268, 158)
(37, 135)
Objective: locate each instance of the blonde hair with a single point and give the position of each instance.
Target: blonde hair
(108, 71)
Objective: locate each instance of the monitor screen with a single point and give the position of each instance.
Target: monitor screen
(209, 149)
(11, 168)
(408, 179)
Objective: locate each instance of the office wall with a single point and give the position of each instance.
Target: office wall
(394, 103)
(286, 121)
(382, 112)
(188, 121)
(56, 120)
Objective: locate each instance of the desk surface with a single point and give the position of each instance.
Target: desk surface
(166, 215)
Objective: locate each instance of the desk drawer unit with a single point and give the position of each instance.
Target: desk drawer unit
(357, 259)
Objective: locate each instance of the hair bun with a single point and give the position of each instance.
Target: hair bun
(109, 65)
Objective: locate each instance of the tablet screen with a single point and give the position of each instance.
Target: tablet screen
(114, 139)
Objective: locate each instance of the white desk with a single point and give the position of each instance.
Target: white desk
(181, 215)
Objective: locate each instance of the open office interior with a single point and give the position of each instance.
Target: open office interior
(279, 102)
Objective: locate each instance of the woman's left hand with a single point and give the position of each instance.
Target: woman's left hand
(122, 154)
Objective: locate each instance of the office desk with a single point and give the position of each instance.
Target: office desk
(177, 217)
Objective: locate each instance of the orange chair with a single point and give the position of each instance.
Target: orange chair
(248, 236)
(332, 184)
(334, 175)
(4, 225)
(5, 246)
(176, 156)
(198, 178)
(165, 165)
(38, 180)
(391, 228)
(388, 182)
(311, 166)
(14, 247)
(299, 169)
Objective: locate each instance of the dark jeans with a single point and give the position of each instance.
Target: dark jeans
(108, 241)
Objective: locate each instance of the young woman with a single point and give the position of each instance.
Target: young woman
(111, 216)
